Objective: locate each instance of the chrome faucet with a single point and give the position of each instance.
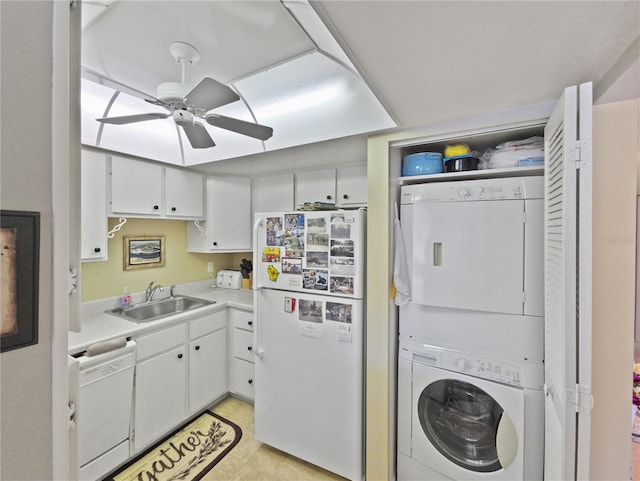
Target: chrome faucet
(172, 287)
(151, 290)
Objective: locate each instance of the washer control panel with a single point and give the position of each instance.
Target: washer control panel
(484, 368)
(472, 364)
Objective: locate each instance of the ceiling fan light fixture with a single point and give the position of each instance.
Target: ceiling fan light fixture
(183, 117)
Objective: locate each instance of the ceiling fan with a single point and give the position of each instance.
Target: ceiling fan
(185, 104)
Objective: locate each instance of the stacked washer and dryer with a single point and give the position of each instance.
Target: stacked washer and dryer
(471, 338)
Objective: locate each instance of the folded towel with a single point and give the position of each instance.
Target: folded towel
(106, 346)
(401, 282)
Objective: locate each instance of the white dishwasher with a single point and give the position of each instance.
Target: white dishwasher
(104, 410)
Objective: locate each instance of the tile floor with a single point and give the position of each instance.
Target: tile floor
(251, 460)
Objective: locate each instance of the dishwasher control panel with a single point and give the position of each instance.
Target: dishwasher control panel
(100, 366)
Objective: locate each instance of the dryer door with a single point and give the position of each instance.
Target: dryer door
(469, 255)
(462, 430)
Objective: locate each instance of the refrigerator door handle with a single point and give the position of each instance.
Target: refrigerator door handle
(259, 221)
(257, 350)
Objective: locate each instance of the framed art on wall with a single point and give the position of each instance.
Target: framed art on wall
(19, 278)
(143, 251)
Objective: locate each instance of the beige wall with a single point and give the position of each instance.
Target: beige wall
(107, 278)
(25, 153)
(615, 163)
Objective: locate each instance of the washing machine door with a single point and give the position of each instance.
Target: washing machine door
(462, 429)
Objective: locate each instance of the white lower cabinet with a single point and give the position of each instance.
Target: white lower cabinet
(179, 370)
(160, 402)
(243, 376)
(242, 367)
(208, 362)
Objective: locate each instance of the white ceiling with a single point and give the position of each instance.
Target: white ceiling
(426, 61)
(279, 57)
(433, 60)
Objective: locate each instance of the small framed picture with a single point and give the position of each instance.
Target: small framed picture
(19, 278)
(143, 251)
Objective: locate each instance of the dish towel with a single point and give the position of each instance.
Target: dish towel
(401, 283)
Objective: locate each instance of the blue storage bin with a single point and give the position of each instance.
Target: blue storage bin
(422, 163)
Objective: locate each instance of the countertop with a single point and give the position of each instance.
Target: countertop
(98, 326)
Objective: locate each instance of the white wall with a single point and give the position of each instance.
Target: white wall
(25, 153)
(616, 127)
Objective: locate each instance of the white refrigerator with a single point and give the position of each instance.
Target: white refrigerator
(308, 339)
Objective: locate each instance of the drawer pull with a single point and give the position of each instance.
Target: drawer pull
(250, 323)
(250, 381)
(249, 348)
(197, 348)
(180, 356)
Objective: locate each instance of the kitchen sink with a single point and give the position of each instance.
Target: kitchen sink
(154, 310)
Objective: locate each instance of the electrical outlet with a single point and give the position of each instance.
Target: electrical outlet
(210, 267)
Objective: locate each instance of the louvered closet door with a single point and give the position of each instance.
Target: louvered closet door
(567, 286)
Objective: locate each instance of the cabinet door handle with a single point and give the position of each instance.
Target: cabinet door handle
(328, 197)
(197, 348)
(180, 356)
(173, 209)
(156, 207)
(249, 348)
(215, 243)
(250, 323)
(345, 196)
(96, 249)
(250, 381)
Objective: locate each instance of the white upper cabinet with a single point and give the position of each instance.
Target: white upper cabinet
(136, 187)
(183, 194)
(144, 189)
(345, 186)
(227, 227)
(315, 186)
(351, 187)
(273, 193)
(93, 206)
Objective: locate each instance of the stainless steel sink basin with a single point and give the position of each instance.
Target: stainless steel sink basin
(160, 308)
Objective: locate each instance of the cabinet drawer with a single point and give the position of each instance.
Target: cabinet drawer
(242, 319)
(207, 324)
(243, 344)
(160, 341)
(243, 378)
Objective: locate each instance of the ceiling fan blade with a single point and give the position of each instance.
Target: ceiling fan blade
(129, 119)
(157, 102)
(210, 94)
(198, 136)
(256, 131)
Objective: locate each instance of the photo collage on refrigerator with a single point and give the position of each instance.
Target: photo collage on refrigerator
(319, 249)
